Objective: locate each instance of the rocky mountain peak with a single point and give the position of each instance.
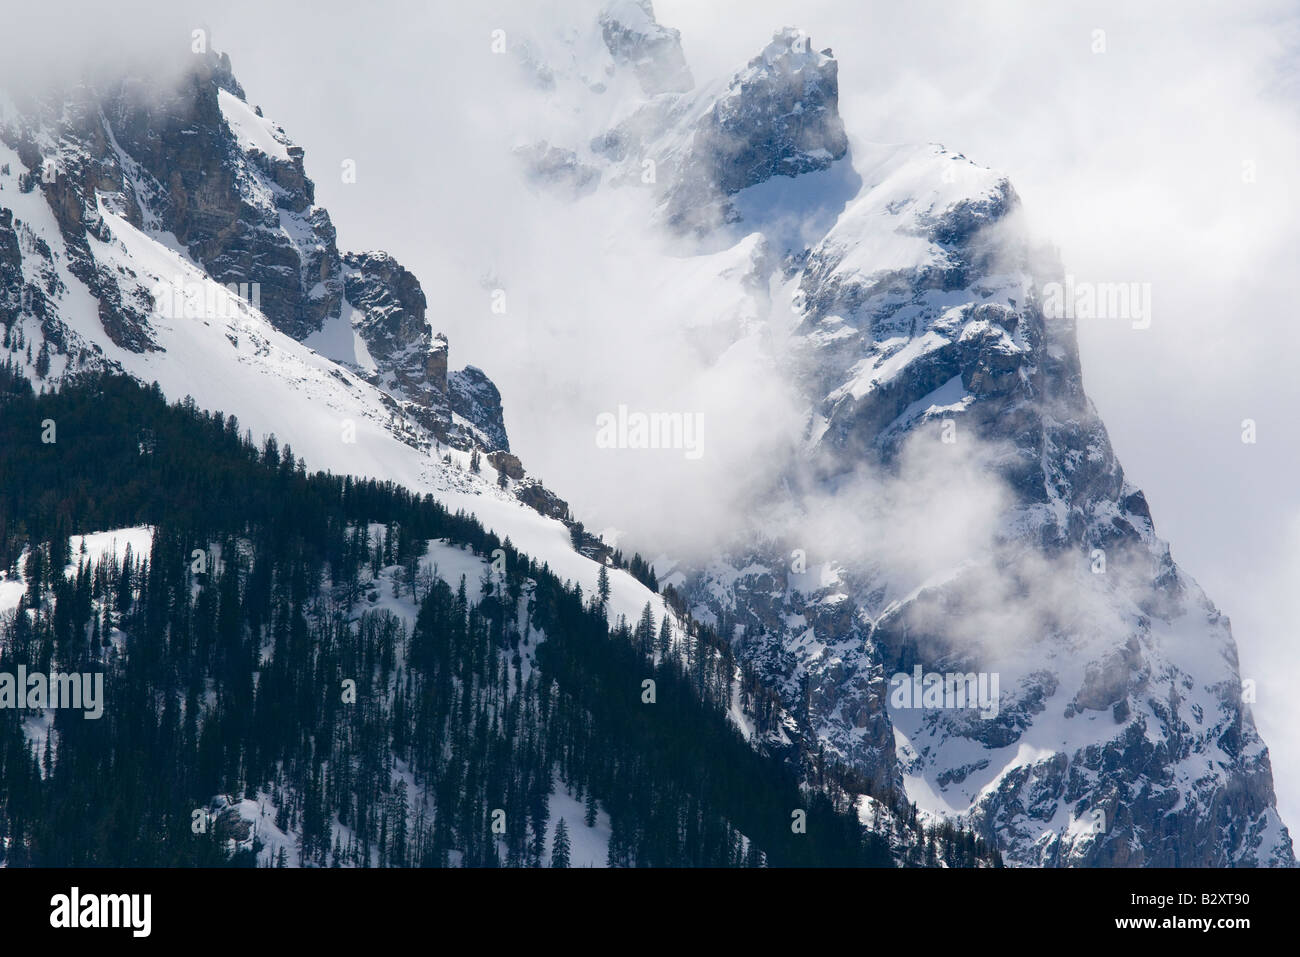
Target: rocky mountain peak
(932, 375)
(634, 38)
(777, 117)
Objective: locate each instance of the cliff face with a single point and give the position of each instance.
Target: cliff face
(197, 162)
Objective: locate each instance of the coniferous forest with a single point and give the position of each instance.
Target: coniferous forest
(252, 655)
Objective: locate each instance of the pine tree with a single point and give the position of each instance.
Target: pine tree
(602, 587)
(665, 637)
(645, 631)
(560, 845)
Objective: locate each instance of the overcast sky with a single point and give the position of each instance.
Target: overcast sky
(1153, 142)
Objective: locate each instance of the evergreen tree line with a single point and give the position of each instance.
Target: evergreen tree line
(248, 654)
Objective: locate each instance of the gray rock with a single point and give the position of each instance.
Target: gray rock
(654, 52)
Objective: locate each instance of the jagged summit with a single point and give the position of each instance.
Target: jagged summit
(697, 146)
(654, 52)
(779, 116)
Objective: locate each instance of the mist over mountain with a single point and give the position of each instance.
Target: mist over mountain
(809, 408)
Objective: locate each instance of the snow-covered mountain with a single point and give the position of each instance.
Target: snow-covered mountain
(952, 502)
(172, 236)
(949, 501)
(197, 187)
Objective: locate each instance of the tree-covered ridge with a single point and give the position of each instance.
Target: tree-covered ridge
(229, 675)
